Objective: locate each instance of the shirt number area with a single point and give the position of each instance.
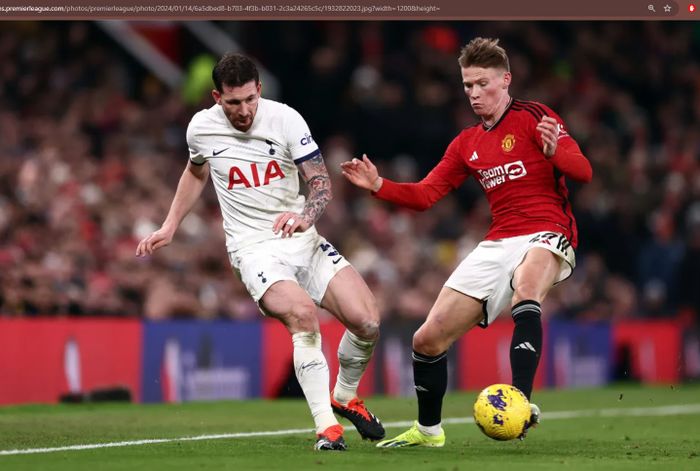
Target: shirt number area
(251, 176)
(559, 241)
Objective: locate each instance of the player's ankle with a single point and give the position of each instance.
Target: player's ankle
(343, 396)
(430, 430)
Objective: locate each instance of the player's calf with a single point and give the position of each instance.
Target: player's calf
(526, 344)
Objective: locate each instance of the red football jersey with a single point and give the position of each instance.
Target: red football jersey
(525, 190)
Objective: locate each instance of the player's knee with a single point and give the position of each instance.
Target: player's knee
(365, 329)
(301, 317)
(365, 323)
(426, 344)
(368, 330)
(527, 291)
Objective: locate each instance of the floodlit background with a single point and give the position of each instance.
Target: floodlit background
(92, 143)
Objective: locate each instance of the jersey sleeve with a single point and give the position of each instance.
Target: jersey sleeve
(301, 144)
(447, 175)
(194, 145)
(567, 158)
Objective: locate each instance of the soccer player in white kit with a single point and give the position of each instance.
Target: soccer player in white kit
(255, 150)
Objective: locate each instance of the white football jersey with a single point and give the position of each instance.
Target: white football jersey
(254, 172)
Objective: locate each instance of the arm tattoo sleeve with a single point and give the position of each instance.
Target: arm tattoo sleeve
(315, 175)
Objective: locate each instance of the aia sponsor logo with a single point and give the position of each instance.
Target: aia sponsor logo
(251, 176)
(495, 176)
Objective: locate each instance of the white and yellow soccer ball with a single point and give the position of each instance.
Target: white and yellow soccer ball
(502, 411)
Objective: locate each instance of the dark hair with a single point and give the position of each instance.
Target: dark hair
(234, 70)
(484, 52)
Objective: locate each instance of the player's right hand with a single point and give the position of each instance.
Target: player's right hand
(153, 242)
(362, 173)
(549, 130)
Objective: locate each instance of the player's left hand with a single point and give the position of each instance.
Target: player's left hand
(289, 223)
(549, 129)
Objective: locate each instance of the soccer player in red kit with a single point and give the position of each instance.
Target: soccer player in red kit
(520, 153)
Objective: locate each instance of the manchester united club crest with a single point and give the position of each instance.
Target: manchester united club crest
(508, 143)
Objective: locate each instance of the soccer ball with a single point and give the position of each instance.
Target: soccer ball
(501, 411)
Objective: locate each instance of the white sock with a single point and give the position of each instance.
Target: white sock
(433, 430)
(312, 373)
(353, 356)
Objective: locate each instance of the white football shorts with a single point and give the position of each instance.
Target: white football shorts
(307, 259)
(487, 272)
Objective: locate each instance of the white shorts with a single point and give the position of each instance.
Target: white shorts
(487, 272)
(307, 259)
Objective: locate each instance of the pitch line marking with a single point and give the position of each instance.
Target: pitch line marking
(556, 415)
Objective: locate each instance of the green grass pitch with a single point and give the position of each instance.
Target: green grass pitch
(617, 427)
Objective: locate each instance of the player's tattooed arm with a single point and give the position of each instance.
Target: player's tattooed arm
(315, 175)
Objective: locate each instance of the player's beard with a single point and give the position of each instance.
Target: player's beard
(242, 124)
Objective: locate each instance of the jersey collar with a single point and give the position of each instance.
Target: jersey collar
(493, 126)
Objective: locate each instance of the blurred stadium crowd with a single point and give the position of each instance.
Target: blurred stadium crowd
(92, 146)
